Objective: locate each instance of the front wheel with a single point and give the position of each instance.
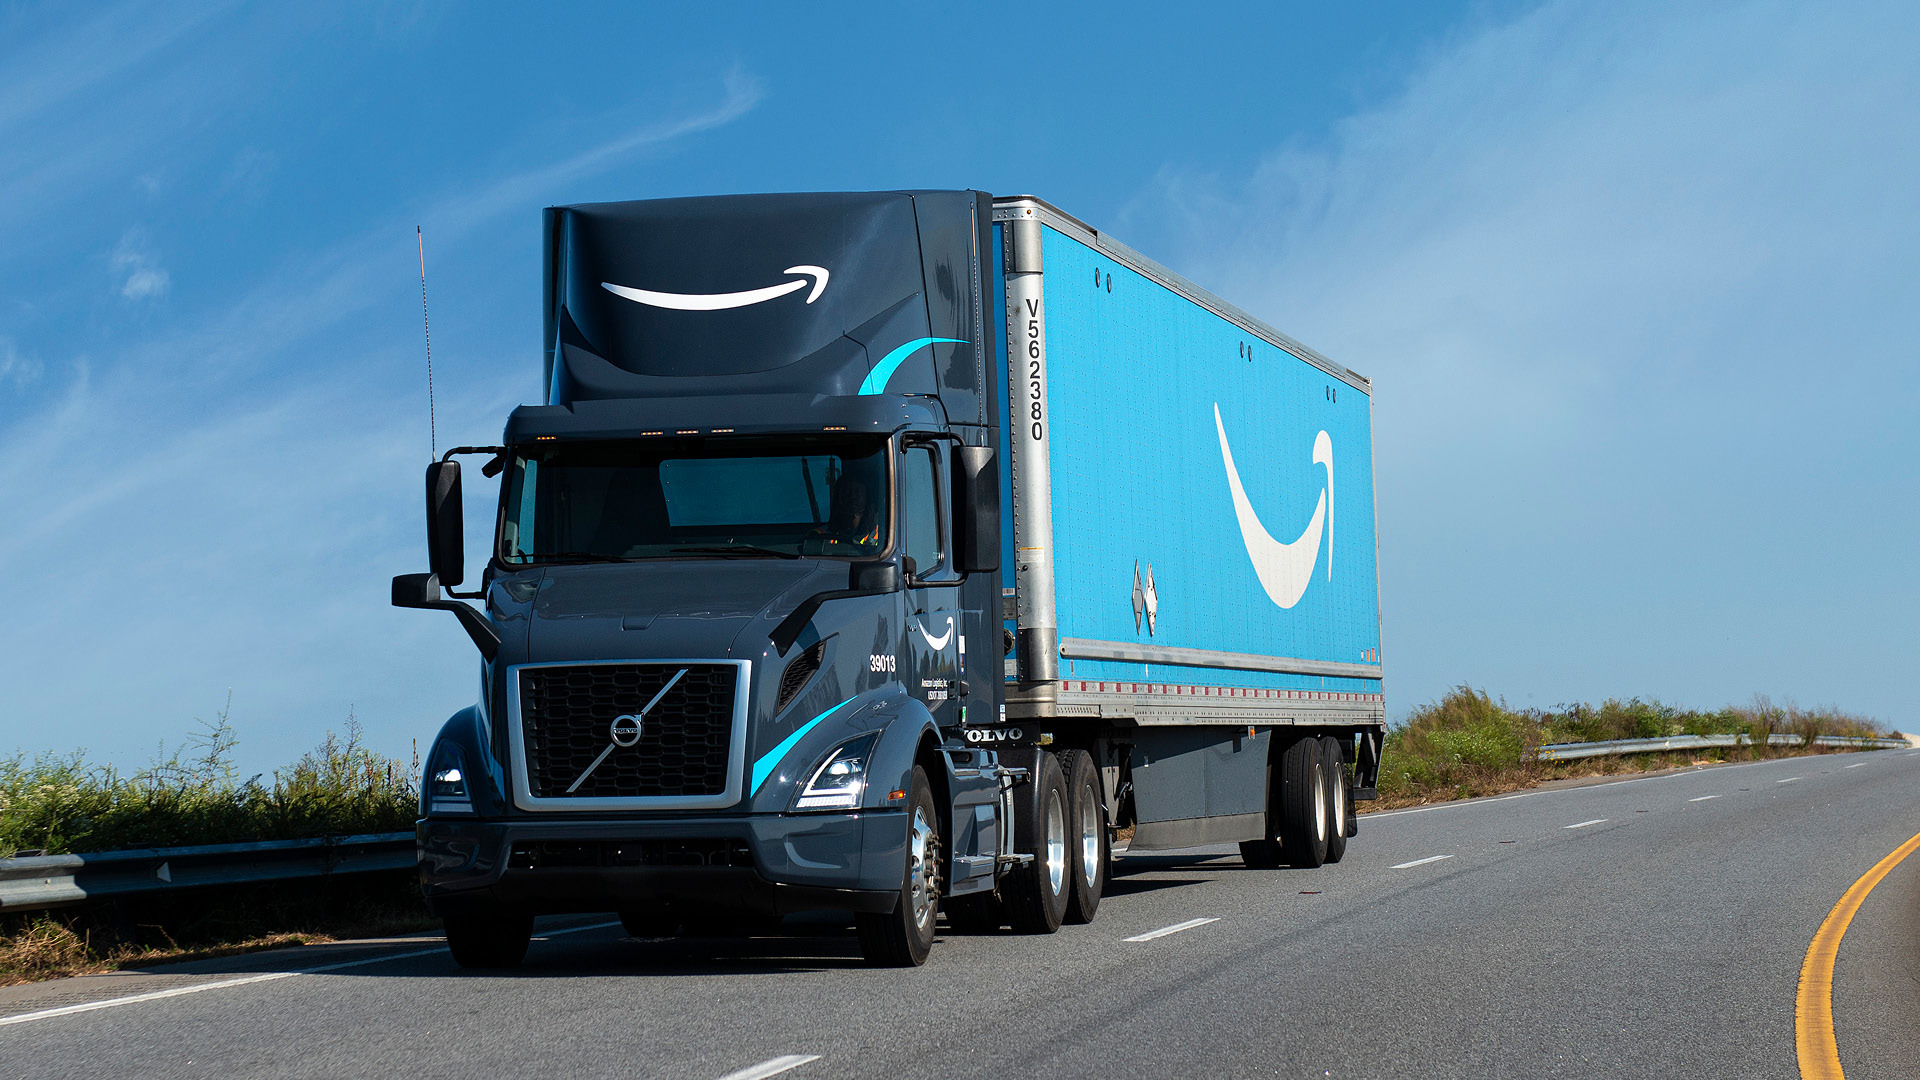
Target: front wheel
(904, 936)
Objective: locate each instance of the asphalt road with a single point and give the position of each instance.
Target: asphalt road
(1653, 927)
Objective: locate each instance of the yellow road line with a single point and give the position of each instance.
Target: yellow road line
(1813, 1007)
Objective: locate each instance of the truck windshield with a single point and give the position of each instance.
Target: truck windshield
(787, 497)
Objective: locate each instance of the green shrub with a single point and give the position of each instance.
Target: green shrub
(60, 804)
(1468, 743)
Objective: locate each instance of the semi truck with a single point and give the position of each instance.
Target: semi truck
(894, 553)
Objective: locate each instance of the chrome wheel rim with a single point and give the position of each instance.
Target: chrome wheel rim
(1090, 825)
(1339, 796)
(1319, 802)
(923, 868)
(1056, 843)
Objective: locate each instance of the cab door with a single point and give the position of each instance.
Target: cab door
(934, 637)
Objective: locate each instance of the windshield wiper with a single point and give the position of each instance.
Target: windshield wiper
(573, 556)
(737, 549)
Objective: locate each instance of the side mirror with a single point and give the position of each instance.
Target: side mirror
(976, 510)
(415, 590)
(874, 577)
(446, 551)
(423, 591)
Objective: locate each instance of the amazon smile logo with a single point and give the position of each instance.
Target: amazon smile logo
(937, 643)
(818, 275)
(1284, 568)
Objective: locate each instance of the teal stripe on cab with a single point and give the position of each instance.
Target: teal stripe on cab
(876, 380)
(768, 761)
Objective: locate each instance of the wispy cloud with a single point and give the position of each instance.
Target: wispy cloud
(740, 93)
(45, 72)
(137, 267)
(1623, 276)
(251, 468)
(16, 367)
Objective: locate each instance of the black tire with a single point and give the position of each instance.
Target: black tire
(1091, 846)
(975, 913)
(903, 937)
(488, 937)
(1339, 800)
(1303, 804)
(1261, 854)
(1035, 897)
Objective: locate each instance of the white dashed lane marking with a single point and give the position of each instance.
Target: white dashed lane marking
(1174, 929)
(1703, 798)
(771, 1067)
(1419, 862)
(1584, 824)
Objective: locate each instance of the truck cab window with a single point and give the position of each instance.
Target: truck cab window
(797, 497)
(922, 536)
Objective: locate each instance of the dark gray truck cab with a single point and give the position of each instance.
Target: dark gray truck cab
(742, 554)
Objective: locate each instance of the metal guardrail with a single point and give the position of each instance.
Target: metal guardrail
(46, 881)
(1571, 751)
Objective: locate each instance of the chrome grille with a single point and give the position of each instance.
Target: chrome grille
(566, 718)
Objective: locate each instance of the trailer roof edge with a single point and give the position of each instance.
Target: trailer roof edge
(1067, 223)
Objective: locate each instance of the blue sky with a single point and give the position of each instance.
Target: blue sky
(1635, 284)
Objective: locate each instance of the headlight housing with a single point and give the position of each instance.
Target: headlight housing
(840, 780)
(446, 786)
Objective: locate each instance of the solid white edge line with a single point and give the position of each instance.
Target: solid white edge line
(267, 976)
(1419, 862)
(771, 1067)
(1702, 798)
(1584, 824)
(1456, 803)
(90, 1006)
(1174, 929)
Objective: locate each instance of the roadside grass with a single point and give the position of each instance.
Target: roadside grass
(1469, 744)
(206, 924)
(55, 804)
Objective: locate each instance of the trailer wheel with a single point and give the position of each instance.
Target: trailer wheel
(1092, 852)
(976, 913)
(1303, 804)
(903, 937)
(1339, 801)
(1036, 894)
(488, 937)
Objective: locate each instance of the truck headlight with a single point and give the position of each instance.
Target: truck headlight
(447, 782)
(840, 780)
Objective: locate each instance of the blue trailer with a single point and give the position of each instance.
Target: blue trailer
(893, 553)
(1159, 440)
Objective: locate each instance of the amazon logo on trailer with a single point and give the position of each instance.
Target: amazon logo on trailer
(1285, 568)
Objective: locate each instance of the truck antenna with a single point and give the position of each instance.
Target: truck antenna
(433, 435)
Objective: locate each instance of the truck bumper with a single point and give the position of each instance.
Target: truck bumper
(759, 864)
